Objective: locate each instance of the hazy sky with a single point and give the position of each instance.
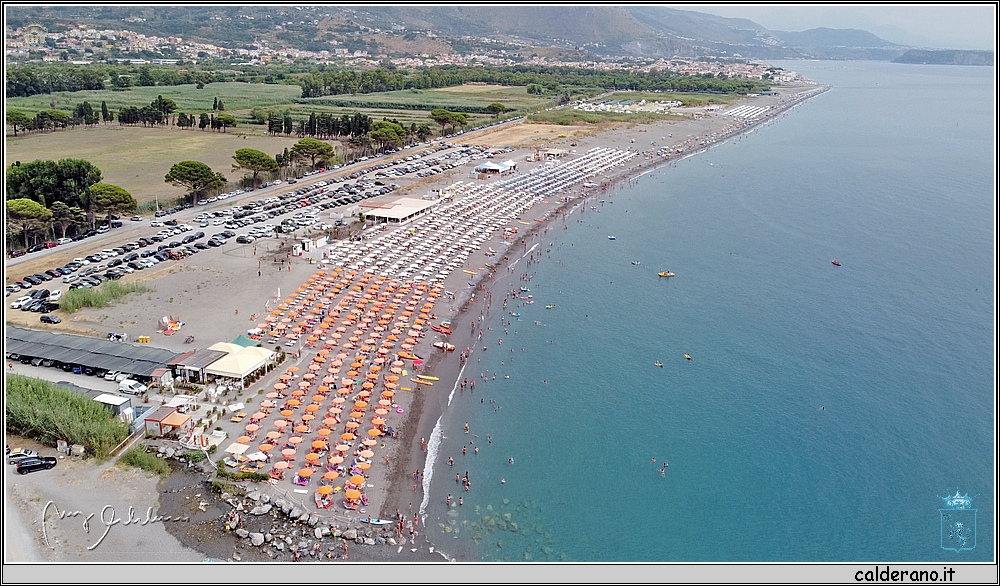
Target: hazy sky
(951, 26)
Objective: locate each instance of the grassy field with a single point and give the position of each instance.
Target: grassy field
(235, 96)
(687, 98)
(137, 158)
(469, 95)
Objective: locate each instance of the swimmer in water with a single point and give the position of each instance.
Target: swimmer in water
(822, 408)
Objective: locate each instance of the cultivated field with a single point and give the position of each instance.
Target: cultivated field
(469, 95)
(137, 158)
(190, 100)
(689, 99)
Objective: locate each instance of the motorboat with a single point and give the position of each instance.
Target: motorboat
(658, 363)
(688, 356)
(835, 262)
(611, 238)
(665, 274)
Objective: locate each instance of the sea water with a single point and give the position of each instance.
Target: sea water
(824, 411)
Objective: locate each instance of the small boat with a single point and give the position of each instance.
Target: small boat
(409, 356)
(515, 314)
(835, 262)
(444, 346)
(665, 274)
(549, 306)
(427, 377)
(658, 363)
(377, 521)
(611, 238)
(635, 262)
(688, 356)
(441, 330)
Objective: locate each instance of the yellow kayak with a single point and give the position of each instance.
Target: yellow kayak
(525, 223)
(426, 377)
(468, 271)
(422, 382)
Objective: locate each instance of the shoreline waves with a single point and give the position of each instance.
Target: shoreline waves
(431, 411)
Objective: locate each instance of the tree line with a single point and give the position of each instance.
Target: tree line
(331, 83)
(59, 198)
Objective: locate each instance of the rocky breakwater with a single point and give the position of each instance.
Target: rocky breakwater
(280, 529)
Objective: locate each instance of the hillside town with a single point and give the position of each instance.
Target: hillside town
(82, 45)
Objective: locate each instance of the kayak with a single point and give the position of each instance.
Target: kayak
(426, 377)
(377, 521)
(422, 382)
(468, 271)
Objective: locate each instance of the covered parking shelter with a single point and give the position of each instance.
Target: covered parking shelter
(138, 360)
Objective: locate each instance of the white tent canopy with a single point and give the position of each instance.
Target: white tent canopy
(237, 449)
(240, 363)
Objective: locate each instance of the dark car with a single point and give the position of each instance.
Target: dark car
(36, 248)
(16, 253)
(34, 464)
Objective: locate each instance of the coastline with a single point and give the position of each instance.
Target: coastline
(426, 412)
(392, 488)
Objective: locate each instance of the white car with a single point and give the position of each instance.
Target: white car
(55, 295)
(64, 240)
(155, 223)
(21, 301)
(111, 375)
(131, 387)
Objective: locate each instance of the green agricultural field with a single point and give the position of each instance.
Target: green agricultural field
(464, 96)
(190, 100)
(137, 158)
(687, 98)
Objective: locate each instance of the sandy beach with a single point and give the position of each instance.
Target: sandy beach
(219, 296)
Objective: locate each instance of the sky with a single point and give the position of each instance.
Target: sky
(936, 26)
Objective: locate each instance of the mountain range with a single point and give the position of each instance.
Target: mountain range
(564, 30)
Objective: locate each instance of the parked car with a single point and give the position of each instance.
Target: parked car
(29, 465)
(20, 454)
(131, 387)
(48, 318)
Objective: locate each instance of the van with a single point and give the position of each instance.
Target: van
(131, 387)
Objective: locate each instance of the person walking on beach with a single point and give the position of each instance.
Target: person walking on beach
(423, 445)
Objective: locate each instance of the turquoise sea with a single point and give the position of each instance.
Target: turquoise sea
(825, 409)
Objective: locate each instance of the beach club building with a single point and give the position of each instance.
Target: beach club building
(239, 362)
(166, 420)
(399, 211)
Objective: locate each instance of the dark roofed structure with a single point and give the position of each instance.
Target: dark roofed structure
(140, 360)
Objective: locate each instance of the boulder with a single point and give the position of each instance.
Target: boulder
(296, 513)
(283, 505)
(324, 531)
(360, 541)
(318, 532)
(256, 539)
(369, 541)
(225, 496)
(391, 541)
(161, 450)
(379, 540)
(254, 495)
(260, 510)
(303, 517)
(278, 545)
(268, 537)
(265, 498)
(350, 534)
(313, 520)
(169, 453)
(242, 533)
